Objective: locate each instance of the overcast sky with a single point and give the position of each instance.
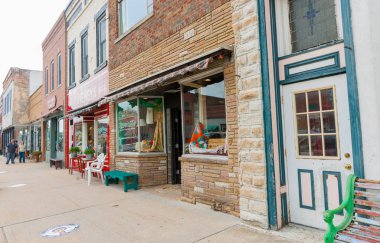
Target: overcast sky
(24, 24)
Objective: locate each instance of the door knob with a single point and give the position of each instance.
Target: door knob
(348, 166)
(347, 155)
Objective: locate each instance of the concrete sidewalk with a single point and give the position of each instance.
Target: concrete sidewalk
(34, 197)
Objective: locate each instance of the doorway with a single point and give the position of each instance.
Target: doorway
(318, 148)
(176, 144)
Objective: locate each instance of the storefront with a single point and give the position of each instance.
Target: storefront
(35, 137)
(54, 143)
(173, 126)
(88, 122)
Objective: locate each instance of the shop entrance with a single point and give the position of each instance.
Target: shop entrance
(174, 134)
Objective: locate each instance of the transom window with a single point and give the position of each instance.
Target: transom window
(312, 23)
(131, 12)
(316, 123)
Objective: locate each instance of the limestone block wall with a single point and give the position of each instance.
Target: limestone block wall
(252, 172)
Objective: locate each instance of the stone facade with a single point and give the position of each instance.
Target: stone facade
(252, 173)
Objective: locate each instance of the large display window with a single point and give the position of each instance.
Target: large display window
(101, 143)
(140, 125)
(204, 113)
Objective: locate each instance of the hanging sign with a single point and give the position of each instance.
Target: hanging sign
(52, 102)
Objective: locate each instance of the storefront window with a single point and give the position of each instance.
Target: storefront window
(78, 135)
(102, 136)
(140, 125)
(48, 133)
(59, 145)
(205, 116)
(90, 135)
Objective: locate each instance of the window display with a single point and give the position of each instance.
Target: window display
(78, 135)
(59, 145)
(48, 132)
(205, 116)
(140, 125)
(102, 136)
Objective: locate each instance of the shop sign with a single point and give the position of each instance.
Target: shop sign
(52, 102)
(89, 91)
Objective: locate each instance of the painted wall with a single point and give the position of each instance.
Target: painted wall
(35, 81)
(97, 82)
(365, 25)
(7, 118)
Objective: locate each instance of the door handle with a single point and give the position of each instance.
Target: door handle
(348, 166)
(347, 155)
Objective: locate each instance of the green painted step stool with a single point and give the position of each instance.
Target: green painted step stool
(116, 175)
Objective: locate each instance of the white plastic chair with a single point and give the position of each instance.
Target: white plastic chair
(96, 167)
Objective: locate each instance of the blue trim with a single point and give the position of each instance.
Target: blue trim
(352, 86)
(333, 43)
(306, 73)
(312, 207)
(314, 75)
(271, 183)
(325, 189)
(277, 93)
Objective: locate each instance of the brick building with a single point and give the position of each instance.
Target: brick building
(35, 115)
(18, 85)
(174, 100)
(54, 91)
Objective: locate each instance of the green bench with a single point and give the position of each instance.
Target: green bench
(116, 175)
(361, 220)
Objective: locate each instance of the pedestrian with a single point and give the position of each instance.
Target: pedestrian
(16, 143)
(21, 152)
(11, 151)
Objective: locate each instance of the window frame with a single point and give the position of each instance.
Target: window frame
(84, 59)
(121, 34)
(59, 69)
(284, 45)
(99, 20)
(191, 79)
(337, 133)
(46, 80)
(138, 125)
(52, 85)
(71, 68)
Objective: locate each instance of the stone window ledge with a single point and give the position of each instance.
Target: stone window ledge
(202, 158)
(139, 155)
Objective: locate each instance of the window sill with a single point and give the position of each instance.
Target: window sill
(133, 28)
(137, 154)
(100, 67)
(87, 76)
(205, 158)
(71, 86)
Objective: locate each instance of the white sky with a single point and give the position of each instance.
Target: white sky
(24, 24)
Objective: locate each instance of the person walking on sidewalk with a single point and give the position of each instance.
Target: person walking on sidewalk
(11, 151)
(21, 152)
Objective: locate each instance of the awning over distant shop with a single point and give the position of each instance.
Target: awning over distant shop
(82, 110)
(161, 78)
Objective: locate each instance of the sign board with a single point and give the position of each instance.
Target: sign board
(89, 91)
(52, 102)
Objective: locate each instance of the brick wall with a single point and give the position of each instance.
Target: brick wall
(212, 30)
(213, 180)
(252, 174)
(20, 96)
(170, 18)
(54, 44)
(35, 105)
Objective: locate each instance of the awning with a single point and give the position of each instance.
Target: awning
(159, 79)
(82, 110)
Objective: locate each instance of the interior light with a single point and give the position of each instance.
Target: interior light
(208, 80)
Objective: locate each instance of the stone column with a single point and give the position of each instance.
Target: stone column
(253, 192)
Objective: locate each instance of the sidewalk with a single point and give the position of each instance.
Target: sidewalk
(35, 197)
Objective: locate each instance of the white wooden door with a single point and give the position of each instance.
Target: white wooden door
(317, 147)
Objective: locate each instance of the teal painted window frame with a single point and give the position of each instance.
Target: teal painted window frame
(311, 172)
(338, 174)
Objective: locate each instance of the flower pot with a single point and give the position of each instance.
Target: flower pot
(73, 155)
(37, 157)
(88, 156)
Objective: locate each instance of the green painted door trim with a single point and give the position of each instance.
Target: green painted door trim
(271, 183)
(352, 86)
